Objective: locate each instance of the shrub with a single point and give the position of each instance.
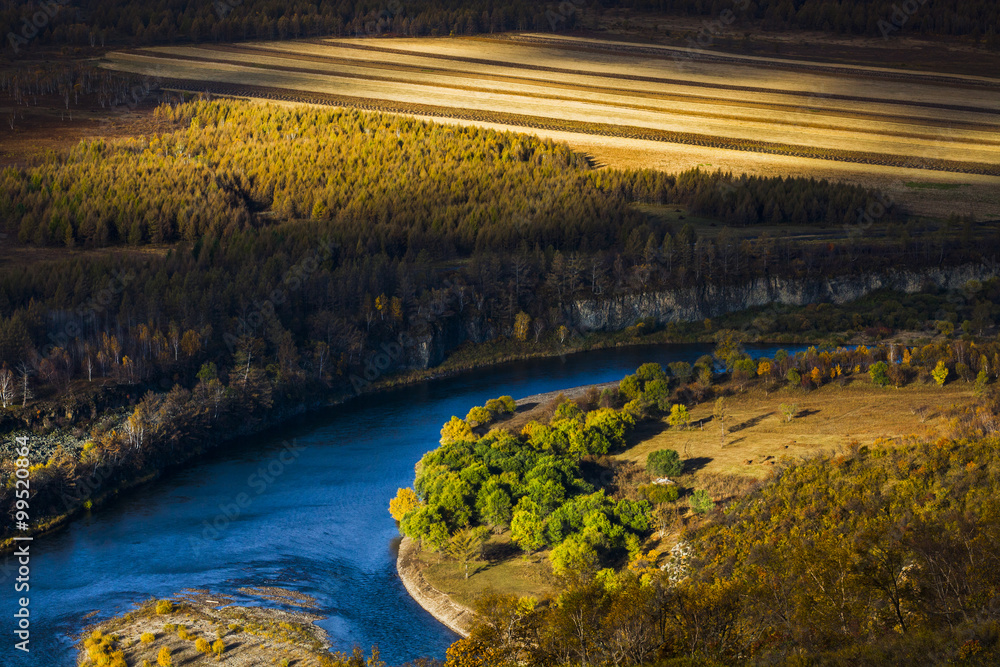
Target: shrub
(681, 370)
(164, 607)
(147, 637)
(701, 502)
(630, 387)
(794, 377)
(505, 405)
(651, 371)
(478, 416)
(567, 410)
(879, 373)
(455, 430)
(218, 648)
(679, 416)
(169, 627)
(574, 556)
(664, 463)
(658, 494)
(163, 658)
(202, 646)
(940, 373)
(405, 501)
(981, 381)
(789, 410)
(182, 632)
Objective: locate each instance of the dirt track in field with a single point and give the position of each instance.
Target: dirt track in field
(637, 105)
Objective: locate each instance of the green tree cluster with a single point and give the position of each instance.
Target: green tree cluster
(529, 483)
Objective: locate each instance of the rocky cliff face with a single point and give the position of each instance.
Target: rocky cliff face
(707, 301)
(439, 337)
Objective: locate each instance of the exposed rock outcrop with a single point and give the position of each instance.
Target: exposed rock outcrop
(707, 301)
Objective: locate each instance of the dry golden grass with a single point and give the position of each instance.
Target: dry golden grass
(828, 419)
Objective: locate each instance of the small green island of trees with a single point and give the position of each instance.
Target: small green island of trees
(529, 483)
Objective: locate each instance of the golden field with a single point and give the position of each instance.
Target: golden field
(639, 106)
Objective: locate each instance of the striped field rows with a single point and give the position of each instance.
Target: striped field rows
(808, 110)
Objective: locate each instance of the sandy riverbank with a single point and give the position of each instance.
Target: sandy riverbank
(249, 635)
(452, 615)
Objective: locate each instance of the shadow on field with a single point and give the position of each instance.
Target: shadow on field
(753, 421)
(696, 463)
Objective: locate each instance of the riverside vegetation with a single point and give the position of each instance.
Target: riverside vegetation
(192, 293)
(195, 630)
(882, 552)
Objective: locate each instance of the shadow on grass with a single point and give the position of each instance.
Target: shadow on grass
(696, 463)
(645, 431)
(753, 421)
(494, 553)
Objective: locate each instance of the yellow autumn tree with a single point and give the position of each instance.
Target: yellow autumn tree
(405, 500)
(522, 326)
(456, 429)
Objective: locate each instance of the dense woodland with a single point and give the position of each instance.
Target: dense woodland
(881, 554)
(380, 183)
(530, 483)
(362, 223)
(249, 256)
(113, 22)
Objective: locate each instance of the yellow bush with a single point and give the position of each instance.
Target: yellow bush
(147, 637)
(164, 607)
(163, 658)
(218, 648)
(202, 646)
(405, 500)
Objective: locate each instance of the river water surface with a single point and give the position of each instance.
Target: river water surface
(320, 526)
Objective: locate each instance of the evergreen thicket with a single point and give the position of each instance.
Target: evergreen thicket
(114, 22)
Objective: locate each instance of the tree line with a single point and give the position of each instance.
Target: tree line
(110, 22)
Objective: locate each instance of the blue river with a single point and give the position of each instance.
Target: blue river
(313, 518)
